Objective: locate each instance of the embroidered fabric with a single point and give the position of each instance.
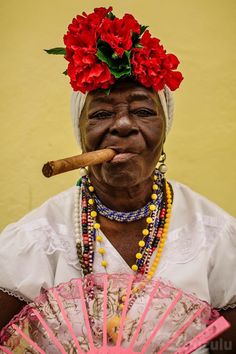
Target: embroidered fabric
(52, 242)
(45, 239)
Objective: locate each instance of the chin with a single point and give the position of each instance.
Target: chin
(123, 174)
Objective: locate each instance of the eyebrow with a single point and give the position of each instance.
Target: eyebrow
(131, 98)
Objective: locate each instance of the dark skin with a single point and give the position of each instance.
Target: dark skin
(131, 121)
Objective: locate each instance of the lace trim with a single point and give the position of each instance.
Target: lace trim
(227, 307)
(15, 294)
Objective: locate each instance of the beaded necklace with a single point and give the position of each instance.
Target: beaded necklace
(87, 229)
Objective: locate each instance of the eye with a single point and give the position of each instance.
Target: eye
(100, 115)
(143, 112)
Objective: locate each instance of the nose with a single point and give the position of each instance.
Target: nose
(123, 125)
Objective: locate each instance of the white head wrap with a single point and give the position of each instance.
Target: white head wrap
(78, 101)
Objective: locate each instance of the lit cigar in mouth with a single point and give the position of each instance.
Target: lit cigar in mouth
(53, 168)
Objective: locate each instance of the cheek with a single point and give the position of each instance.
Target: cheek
(154, 134)
(92, 133)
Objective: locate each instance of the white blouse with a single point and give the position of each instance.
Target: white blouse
(199, 255)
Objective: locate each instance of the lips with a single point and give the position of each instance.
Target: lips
(122, 157)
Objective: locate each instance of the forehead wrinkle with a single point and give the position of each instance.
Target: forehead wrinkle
(132, 97)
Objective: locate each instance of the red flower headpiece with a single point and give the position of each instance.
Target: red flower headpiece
(102, 48)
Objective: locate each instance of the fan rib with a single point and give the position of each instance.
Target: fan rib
(210, 332)
(85, 313)
(136, 333)
(28, 339)
(5, 350)
(105, 289)
(169, 309)
(69, 326)
(182, 329)
(124, 311)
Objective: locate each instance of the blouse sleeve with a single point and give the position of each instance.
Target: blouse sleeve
(222, 270)
(25, 266)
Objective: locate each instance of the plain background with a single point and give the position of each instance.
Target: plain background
(35, 96)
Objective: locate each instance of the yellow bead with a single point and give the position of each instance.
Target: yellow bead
(104, 263)
(99, 238)
(154, 196)
(155, 178)
(149, 277)
(121, 306)
(145, 232)
(141, 243)
(155, 263)
(155, 187)
(135, 290)
(152, 207)
(149, 220)
(143, 284)
(96, 225)
(134, 267)
(138, 255)
(91, 189)
(91, 201)
(123, 298)
(93, 214)
(101, 250)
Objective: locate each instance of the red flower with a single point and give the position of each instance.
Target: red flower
(85, 70)
(118, 33)
(152, 67)
(90, 77)
(90, 69)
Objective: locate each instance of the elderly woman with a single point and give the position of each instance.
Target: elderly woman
(123, 216)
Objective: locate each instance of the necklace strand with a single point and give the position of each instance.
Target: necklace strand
(87, 229)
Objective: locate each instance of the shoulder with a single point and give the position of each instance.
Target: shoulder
(189, 204)
(56, 210)
(38, 245)
(48, 228)
(198, 224)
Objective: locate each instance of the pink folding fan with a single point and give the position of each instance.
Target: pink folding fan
(111, 314)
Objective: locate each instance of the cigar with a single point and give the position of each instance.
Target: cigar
(53, 168)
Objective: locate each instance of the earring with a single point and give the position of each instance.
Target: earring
(83, 172)
(163, 168)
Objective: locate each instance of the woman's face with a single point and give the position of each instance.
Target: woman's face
(131, 121)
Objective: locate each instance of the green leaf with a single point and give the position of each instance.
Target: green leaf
(111, 16)
(119, 67)
(103, 57)
(65, 72)
(138, 45)
(56, 51)
(107, 91)
(143, 29)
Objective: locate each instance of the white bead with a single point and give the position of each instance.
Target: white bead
(77, 240)
(76, 218)
(163, 168)
(83, 172)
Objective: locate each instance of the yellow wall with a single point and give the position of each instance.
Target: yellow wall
(35, 118)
